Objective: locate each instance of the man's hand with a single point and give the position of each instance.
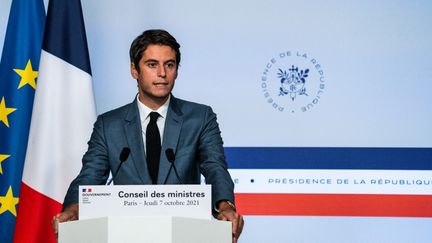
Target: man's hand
(228, 213)
(70, 213)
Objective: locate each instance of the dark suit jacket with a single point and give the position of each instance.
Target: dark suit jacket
(191, 130)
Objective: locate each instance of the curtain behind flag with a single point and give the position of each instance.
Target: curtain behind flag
(18, 73)
(63, 116)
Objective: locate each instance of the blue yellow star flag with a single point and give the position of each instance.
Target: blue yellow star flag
(18, 81)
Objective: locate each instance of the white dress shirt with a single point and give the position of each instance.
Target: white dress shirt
(144, 113)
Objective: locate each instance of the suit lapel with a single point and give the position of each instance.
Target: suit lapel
(173, 125)
(133, 132)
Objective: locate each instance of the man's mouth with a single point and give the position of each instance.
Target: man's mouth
(160, 84)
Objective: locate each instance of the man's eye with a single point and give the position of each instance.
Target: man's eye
(171, 65)
(151, 65)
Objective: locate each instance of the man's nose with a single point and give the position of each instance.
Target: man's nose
(161, 71)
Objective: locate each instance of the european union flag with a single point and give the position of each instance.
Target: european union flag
(18, 73)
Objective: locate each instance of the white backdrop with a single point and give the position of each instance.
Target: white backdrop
(375, 60)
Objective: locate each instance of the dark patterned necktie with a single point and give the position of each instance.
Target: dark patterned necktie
(153, 146)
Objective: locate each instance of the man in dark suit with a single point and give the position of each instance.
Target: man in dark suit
(189, 129)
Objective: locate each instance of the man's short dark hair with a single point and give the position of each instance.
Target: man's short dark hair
(152, 37)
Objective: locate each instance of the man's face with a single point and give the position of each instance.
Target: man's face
(156, 75)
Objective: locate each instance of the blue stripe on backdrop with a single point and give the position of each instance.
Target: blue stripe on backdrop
(73, 49)
(329, 158)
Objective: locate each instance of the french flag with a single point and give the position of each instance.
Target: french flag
(63, 116)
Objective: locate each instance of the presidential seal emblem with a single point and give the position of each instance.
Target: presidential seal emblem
(293, 81)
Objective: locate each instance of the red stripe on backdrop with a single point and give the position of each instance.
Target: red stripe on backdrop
(35, 213)
(334, 205)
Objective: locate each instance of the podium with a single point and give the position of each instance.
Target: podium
(145, 213)
(152, 229)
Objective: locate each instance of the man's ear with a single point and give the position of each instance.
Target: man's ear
(134, 71)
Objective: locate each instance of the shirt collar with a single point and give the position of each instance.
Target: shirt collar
(144, 111)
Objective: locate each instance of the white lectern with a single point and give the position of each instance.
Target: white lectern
(154, 229)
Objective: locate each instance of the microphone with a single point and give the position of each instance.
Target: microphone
(170, 155)
(171, 158)
(123, 157)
